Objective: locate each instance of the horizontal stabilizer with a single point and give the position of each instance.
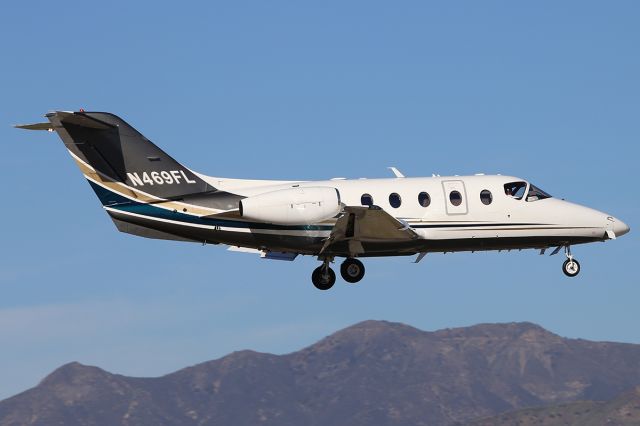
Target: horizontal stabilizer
(35, 126)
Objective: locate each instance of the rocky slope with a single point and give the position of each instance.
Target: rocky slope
(623, 410)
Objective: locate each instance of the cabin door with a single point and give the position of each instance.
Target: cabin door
(455, 197)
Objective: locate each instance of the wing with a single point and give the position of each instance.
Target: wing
(360, 224)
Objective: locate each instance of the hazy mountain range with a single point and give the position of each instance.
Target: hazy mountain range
(372, 373)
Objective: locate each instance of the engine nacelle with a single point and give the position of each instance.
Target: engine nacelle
(293, 206)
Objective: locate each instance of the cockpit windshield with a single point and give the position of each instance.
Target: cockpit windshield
(515, 189)
(536, 194)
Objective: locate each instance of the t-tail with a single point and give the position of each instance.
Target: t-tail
(133, 178)
(113, 154)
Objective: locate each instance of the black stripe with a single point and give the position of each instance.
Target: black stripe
(476, 225)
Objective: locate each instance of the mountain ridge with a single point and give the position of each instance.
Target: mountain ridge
(373, 372)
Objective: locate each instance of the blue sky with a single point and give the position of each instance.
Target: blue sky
(548, 91)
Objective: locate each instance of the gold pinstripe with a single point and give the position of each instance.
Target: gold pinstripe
(126, 191)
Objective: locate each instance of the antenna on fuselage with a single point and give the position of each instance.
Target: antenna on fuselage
(396, 172)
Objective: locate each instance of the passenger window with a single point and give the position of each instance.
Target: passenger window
(536, 194)
(455, 197)
(394, 200)
(486, 197)
(515, 189)
(423, 199)
(366, 200)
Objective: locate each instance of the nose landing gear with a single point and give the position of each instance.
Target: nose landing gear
(570, 267)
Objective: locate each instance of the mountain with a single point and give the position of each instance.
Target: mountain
(372, 373)
(623, 410)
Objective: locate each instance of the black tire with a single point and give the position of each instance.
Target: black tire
(352, 270)
(571, 267)
(322, 281)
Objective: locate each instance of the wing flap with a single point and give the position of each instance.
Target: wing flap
(360, 224)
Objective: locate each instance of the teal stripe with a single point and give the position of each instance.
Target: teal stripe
(112, 200)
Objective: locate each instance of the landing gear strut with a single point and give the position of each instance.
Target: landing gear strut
(323, 276)
(570, 267)
(352, 270)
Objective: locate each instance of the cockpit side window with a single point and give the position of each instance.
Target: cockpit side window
(536, 194)
(515, 189)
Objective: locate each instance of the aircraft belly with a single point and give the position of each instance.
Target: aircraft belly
(305, 242)
(510, 232)
(310, 242)
(505, 243)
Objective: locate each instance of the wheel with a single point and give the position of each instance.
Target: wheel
(571, 267)
(352, 270)
(323, 278)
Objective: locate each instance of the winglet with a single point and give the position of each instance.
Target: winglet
(396, 172)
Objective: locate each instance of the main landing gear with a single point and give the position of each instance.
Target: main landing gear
(570, 267)
(323, 277)
(352, 270)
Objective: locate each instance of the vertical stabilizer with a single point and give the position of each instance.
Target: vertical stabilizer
(104, 144)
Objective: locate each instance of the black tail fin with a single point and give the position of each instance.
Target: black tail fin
(120, 153)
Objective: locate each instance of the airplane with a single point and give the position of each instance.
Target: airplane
(149, 194)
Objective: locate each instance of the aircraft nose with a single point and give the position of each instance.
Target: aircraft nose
(619, 227)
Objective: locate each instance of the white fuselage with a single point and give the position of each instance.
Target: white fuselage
(503, 217)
